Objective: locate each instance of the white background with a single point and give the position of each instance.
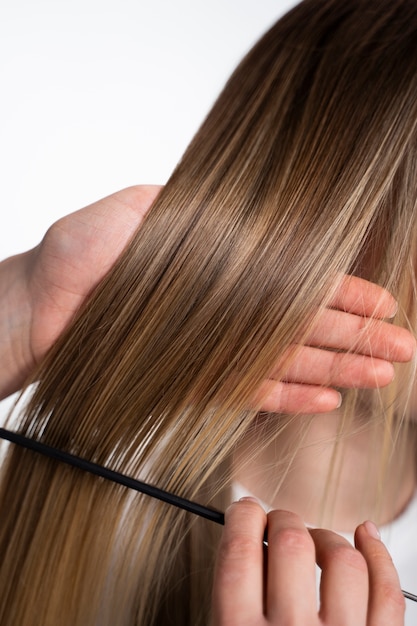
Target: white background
(97, 95)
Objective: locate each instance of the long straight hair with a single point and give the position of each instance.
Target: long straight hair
(306, 168)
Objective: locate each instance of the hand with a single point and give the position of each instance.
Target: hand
(43, 288)
(76, 253)
(359, 586)
(354, 325)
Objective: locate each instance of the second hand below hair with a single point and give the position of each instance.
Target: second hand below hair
(121, 479)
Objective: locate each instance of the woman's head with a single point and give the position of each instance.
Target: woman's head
(304, 169)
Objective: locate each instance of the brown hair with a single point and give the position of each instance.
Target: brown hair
(305, 168)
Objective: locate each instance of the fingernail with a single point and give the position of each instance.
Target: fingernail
(249, 499)
(372, 529)
(340, 401)
(394, 310)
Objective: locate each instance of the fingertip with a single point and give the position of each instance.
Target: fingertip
(386, 600)
(382, 304)
(392, 306)
(383, 373)
(297, 398)
(328, 400)
(319, 400)
(366, 531)
(359, 296)
(249, 499)
(412, 347)
(406, 347)
(372, 529)
(244, 501)
(245, 518)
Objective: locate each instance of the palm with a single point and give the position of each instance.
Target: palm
(75, 255)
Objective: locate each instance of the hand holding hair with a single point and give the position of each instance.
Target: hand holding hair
(43, 289)
(360, 584)
(366, 346)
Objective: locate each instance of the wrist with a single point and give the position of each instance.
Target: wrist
(16, 359)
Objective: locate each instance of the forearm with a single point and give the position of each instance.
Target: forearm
(15, 312)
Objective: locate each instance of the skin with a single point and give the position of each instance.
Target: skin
(354, 487)
(359, 585)
(42, 289)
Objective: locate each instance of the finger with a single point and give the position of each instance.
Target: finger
(344, 579)
(344, 331)
(291, 581)
(281, 397)
(238, 578)
(359, 296)
(386, 601)
(316, 366)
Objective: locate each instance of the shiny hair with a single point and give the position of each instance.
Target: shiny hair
(305, 169)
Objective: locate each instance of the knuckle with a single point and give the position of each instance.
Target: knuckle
(348, 557)
(240, 548)
(292, 539)
(286, 532)
(235, 558)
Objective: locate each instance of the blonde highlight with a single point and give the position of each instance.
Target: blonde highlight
(304, 170)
